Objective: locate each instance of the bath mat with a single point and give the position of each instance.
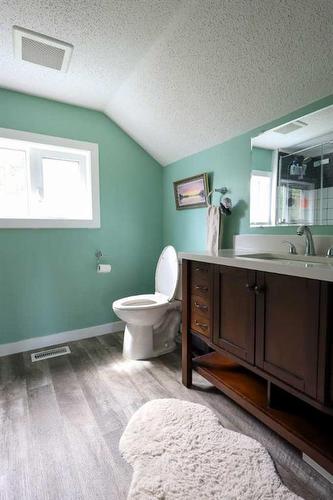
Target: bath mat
(179, 450)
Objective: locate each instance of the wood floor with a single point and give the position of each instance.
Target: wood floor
(61, 420)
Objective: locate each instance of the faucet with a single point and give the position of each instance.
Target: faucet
(309, 244)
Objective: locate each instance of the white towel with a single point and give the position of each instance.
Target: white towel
(214, 229)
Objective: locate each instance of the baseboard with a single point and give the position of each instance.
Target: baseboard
(60, 338)
(318, 468)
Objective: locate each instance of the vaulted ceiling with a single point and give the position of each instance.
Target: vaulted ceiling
(178, 76)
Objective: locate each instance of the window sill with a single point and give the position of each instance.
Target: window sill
(49, 224)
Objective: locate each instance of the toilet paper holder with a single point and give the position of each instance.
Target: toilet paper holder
(99, 255)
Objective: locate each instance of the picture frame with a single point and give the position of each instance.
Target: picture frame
(191, 192)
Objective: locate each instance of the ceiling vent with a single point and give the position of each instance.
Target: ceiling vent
(290, 127)
(41, 49)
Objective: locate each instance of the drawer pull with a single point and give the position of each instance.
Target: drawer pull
(201, 325)
(202, 307)
(259, 289)
(202, 288)
(202, 270)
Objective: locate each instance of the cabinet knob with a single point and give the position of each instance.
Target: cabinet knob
(201, 269)
(200, 287)
(202, 325)
(203, 307)
(258, 289)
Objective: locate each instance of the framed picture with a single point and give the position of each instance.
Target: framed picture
(191, 192)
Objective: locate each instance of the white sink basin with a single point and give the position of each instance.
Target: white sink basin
(308, 261)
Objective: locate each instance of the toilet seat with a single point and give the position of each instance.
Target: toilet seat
(166, 281)
(141, 302)
(167, 273)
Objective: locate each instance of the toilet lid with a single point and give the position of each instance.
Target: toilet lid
(167, 272)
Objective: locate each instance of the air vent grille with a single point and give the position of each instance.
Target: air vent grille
(41, 53)
(50, 353)
(290, 127)
(40, 49)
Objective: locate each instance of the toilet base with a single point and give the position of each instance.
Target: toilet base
(138, 343)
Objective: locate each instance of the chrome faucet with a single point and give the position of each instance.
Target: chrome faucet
(309, 244)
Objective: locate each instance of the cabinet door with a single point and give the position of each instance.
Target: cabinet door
(325, 346)
(287, 311)
(234, 311)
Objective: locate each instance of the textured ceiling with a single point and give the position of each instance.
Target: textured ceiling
(178, 76)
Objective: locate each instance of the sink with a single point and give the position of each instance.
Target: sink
(308, 261)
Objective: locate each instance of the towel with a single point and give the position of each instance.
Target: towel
(214, 229)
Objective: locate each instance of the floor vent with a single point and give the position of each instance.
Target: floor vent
(41, 49)
(50, 353)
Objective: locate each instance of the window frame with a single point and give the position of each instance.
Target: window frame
(266, 174)
(43, 142)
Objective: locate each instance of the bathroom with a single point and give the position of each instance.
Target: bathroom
(206, 110)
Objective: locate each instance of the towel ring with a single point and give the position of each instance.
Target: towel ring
(222, 190)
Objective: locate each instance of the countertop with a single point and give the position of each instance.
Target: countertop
(318, 270)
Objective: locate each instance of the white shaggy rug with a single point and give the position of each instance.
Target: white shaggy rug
(179, 450)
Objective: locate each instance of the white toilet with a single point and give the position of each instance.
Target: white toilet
(152, 320)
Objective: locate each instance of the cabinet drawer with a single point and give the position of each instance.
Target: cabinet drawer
(200, 298)
(199, 273)
(200, 305)
(200, 324)
(200, 289)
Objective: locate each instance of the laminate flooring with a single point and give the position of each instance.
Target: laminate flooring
(61, 420)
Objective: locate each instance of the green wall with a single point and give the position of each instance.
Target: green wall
(48, 279)
(228, 164)
(261, 159)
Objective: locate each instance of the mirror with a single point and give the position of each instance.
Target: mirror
(292, 172)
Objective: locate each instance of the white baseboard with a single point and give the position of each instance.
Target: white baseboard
(60, 338)
(327, 475)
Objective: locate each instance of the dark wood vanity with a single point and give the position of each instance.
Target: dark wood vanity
(269, 346)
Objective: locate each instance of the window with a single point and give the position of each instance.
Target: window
(47, 181)
(260, 198)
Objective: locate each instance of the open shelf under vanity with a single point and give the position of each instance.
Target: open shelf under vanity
(303, 426)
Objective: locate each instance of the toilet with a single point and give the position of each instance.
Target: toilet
(152, 320)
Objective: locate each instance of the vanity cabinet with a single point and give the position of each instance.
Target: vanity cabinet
(268, 320)
(269, 340)
(278, 324)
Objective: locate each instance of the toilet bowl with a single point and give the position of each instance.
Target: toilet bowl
(142, 312)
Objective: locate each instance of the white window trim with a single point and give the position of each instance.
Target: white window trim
(263, 173)
(49, 140)
(274, 181)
